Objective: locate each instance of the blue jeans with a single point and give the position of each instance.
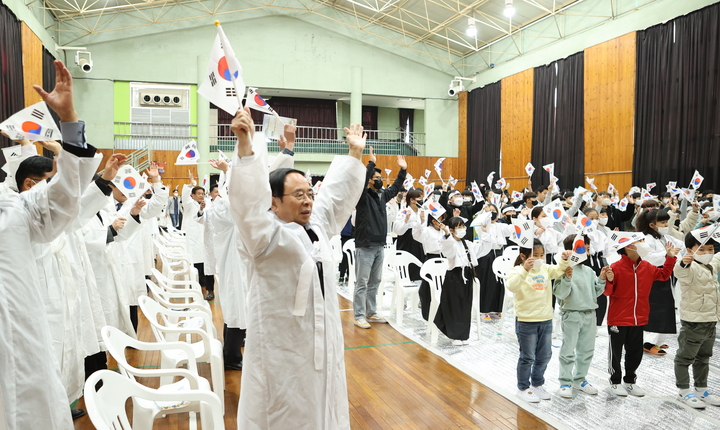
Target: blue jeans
(368, 272)
(535, 340)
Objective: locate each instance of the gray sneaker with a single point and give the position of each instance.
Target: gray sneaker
(376, 319)
(362, 323)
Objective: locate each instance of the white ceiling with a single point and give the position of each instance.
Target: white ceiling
(429, 31)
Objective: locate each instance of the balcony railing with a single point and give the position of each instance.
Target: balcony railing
(309, 140)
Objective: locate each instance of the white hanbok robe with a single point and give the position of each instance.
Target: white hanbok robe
(30, 383)
(294, 368)
(193, 230)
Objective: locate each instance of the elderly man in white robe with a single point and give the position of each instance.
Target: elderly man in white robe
(294, 367)
(192, 197)
(30, 386)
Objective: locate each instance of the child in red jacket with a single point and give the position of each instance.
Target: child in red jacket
(629, 292)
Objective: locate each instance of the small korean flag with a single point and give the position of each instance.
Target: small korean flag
(529, 169)
(129, 182)
(500, 184)
(388, 172)
(584, 224)
(427, 173)
(189, 154)
(32, 123)
(696, 180)
(650, 186)
(591, 181)
(409, 182)
(623, 204)
(476, 192)
(611, 189)
(490, 179)
(550, 168)
(435, 209)
(580, 251)
(429, 190)
(422, 181)
(223, 157)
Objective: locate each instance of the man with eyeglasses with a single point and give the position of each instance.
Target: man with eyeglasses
(370, 239)
(294, 368)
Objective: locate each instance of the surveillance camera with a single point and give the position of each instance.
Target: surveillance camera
(492, 65)
(456, 87)
(84, 61)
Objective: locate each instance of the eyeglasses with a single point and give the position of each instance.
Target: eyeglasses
(310, 195)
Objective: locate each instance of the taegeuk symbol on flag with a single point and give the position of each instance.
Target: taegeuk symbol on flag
(223, 84)
(189, 154)
(33, 123)
(130, 183)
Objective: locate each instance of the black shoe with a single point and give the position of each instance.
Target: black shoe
(77, 413)
(210, 296)
(233, 366)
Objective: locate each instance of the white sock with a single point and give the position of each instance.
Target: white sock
(701, 391)
(685, 392)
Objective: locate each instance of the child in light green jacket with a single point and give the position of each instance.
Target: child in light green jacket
(577, 294)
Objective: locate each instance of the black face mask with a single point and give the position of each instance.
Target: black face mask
(418, 204)
(377, 184)
(493, 216)
(148, 196)
(534, 202)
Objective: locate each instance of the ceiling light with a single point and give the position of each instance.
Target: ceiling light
(509, 10)
(471, 30)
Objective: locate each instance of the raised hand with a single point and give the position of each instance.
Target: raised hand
(568, 272)
(202, 205)
(671, 250)
(51, 145)
(244, 128)
(153, 172)
(610, 275)
(61, 98)
(401, 162)
(407, 217)
(137, 207)
(566, 254)
(112, 165)
(118, 224)
(220, 165)
(356, 141)
(688, 258)
(603, 273)
(288, 137)
(373, 157)
(529, 264)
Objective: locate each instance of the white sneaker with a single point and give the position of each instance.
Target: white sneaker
(457, 342)
(690, 399)
(586, 388)
(540, 392)
(376, 319)
(362, 323)
(618, 390)
(529, 396)
(707, 397)
(466, 342)
(565, 392)
(634, 390)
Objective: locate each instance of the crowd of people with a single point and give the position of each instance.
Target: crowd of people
(78, 254)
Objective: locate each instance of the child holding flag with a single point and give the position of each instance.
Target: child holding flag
(530, 280)
(699, 312)
(577, 293)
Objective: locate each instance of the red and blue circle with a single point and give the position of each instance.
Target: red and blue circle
(190, 154)
(623, 240)
(224, 70)
(696, 181)
(586, 222)
(129, 183)
(557, 214)
(518, 231)
(579, 247)
(260, 101)
(31, 127)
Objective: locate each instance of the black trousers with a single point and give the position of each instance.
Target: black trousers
(233, 342)
(629, 338)
(344, 263)
(207, 281)
(134, 317)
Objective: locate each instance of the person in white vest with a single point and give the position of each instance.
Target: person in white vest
(30, 385)
(294, 367)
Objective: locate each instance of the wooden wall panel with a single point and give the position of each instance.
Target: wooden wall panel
(462, 139)
(454, 167)
(32, 50)
(516, 103)
(610, 112)
(174, 176)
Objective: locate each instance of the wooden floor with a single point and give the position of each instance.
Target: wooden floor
(393, 383)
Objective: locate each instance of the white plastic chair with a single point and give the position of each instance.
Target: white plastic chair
(388, 273)
(433, 271)
(476, 307)
(106, 406)
(404, 287)
(511, 251)
(144, 411)
(501, 267)
(207, 349)
(189, 302)
(337, 253)
(349, 250)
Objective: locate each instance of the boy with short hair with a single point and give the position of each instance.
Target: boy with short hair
(699, 311)
(577, 292)
(629, 310)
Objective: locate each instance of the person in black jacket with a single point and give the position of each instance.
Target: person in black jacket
(370, 238)
(461, 205)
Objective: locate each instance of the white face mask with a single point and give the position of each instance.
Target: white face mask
(704, 258)
(602, 221)
(663, 230)
(594, 223)
(458, 201)
(546, 222)
(666, 201)
(538, 264)
(467, 199)
(460, 232)
(643, 249)
(605, 202)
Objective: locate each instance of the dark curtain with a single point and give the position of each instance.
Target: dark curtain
(558, 121)
(405, 116)
(308, 112)
(12, 97)
(48, 84)
(483, 132)
(370, 120)
(677, 117)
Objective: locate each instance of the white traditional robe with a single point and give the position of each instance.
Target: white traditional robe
(194, 231)
(30, 385)
(294, 368)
